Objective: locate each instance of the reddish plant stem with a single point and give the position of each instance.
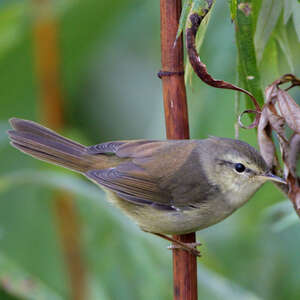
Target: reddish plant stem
(177, 127)
(174, 94)
(51, 113)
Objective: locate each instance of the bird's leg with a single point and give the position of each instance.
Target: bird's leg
(178, 246)
(191, 247)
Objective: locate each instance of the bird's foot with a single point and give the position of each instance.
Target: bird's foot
(190, 247)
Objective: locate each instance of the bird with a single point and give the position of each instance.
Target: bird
(167, 187)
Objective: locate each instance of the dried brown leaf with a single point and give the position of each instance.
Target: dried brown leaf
(264, 136)
(277, 122)
(270, 92)
(280, 110)
(297, 201)
(294, 195)
(294, 152)
(289, 110)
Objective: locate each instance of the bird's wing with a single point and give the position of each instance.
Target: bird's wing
(157, 173)
(139, 190)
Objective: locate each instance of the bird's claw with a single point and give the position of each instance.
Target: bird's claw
(191, 247)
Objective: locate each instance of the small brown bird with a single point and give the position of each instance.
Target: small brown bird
(166, 187)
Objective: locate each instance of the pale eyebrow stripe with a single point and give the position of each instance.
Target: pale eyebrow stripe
(230, 163)
(224, 162)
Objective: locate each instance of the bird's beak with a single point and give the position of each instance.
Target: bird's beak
(270, 176)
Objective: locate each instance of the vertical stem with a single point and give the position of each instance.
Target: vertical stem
(177, 127)
(174, 94)
(185, 270)
(47, 64)
(51, 112)
(69, 231)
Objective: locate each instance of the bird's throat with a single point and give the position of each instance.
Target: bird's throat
(238, 194)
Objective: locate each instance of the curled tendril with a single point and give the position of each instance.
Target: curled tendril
(254, 123)
(195, 18)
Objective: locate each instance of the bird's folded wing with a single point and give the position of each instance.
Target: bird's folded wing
(132, 188)
(150, 172)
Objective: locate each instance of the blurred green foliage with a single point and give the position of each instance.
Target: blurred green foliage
(110, 55)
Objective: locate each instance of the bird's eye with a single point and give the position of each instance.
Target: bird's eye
(239, 167)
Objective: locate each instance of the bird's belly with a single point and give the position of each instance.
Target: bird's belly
(181, 222)
(174, 222)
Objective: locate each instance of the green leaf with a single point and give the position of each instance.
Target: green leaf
(256, 5)
(280, 216)
(296, 17)
(11, 29)
(60, 180)
(286, 222)
(3, 136)
(184, 13)
(288, 9)
(247, 66)
(269, 68)
(267, 20)
(233, 8)
(54, 179)
(16, 281)
(223, 288)
(281, 37)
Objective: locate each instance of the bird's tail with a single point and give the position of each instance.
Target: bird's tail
(45, 144)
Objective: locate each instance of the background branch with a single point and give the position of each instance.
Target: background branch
(51, 113)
